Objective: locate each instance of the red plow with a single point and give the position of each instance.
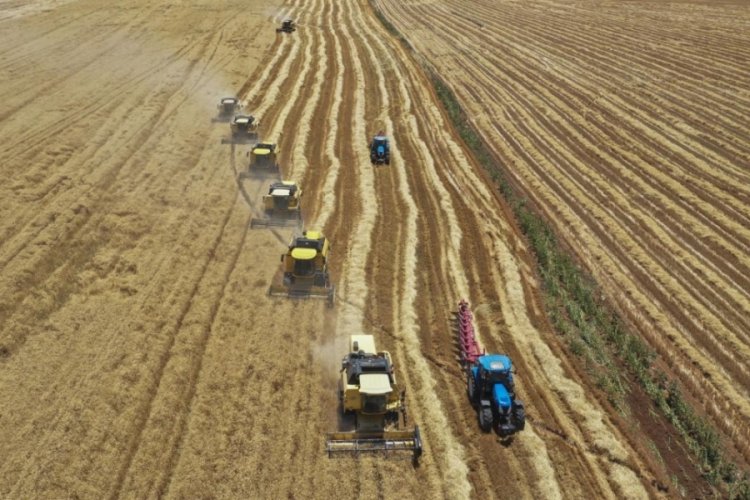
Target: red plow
(467, 340)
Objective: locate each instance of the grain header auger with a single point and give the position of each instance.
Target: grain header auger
(305, 269)
(489, 381)
(281, 206)
(368, 390)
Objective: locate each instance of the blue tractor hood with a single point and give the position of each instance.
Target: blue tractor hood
(501, 396)
(495, 362)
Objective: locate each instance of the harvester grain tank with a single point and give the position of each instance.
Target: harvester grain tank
(305, 269)
(264, 159)
(489, 381)
(368, 390)
(281, 206)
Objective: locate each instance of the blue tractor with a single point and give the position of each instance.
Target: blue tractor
(492, 392)
(380, 150)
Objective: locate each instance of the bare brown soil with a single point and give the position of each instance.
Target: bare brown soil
(140, 355)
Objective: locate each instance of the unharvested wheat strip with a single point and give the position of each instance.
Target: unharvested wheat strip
(260, 83)
(94, 373)
(455, 475)
(270, 96)
(300, 163)
(328, 201)
(354, 284)
(290, 99)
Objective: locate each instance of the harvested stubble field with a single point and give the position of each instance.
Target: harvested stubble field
(139, 353)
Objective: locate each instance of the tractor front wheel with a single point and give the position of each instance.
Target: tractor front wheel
(471, 388)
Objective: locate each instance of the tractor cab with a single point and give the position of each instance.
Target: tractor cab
(496, 369)
(380, 151)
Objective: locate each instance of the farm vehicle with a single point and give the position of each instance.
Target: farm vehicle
(369, 392)
(489, 381)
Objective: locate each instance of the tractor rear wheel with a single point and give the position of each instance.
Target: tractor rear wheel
(485, 419)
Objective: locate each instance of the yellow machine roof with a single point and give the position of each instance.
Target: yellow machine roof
(374, 383)
(304, 253)
(261, 151)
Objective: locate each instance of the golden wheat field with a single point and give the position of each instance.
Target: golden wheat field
(140, 355)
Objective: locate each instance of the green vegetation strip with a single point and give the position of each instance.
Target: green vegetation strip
(592, 328)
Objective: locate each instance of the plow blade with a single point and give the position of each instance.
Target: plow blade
(329, 294)
(355, 443)
(274, 222)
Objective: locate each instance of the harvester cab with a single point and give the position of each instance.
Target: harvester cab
(281, 206)
(243, 128)
(380, 150)
(492, 391)
(263, 159)
(228, 106)
(287, 26)
(368, 389)
(305, 269)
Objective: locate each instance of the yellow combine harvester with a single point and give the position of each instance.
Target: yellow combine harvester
(368, 390)
(263, 159)
(281, 206)
(305, 268)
